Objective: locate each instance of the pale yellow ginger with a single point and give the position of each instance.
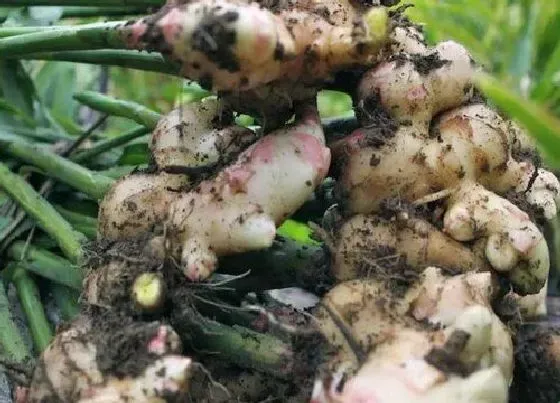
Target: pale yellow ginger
(241, 207)
(192, 137)
(186, 143)
(438, 342)
(72, 368)
(366, 242)
(137, 203)
(240, 45)
(514, 245)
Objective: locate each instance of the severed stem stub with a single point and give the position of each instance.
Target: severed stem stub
(148, 292)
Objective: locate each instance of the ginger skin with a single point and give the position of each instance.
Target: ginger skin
(240, 208)
(415, 240)
(185, 143)
(472, 142)
(397, 362)
(235, 45)
(69, 370)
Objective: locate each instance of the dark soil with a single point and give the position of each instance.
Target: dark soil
(536, 376)
(215, 36)
(382, 263)
(535, 213)
(423, 64)
(115, 286)
(377, 123)
(231, 384)
(121, 342)
(447, 357)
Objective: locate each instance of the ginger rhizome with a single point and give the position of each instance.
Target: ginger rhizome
(90, 361)
(240, 209)
(437, 342)
(424, 139)
(238, 45)
(187, 142)
(438, 207)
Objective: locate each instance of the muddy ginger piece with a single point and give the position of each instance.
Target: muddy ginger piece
(531, 306)
(78, 366)
(369, 242)
(186, 143)
(415, 87)
(137, 203)
(471, 142)
(238, 45)
(407, 39)
(114, 267)
(191, 138)
(423, 156)
(440, 342)
(514, 245)
(239, 209)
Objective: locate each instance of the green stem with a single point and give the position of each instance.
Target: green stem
(30, 300)
(67, 301)
(18, 30)
(100, 3)
(86, 37)
(46, 264)
(40, 134)
(66, 171)
(86, 12)
(107, 145)
(43, 212)
(85, 224)
(241, 346)
(132, 59)
(11, 342)
(118, 107)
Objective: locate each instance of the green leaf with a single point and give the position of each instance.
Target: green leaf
(16, 86)
(297, 231)
(135, 154)
(56, 82)
(4, 221)
(546, 83)
(540, 124)
(16, 113)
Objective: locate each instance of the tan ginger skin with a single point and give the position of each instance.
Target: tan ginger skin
(69, 371)
(435, 340)
(240, 209)
(237, 45)
(402, 364)
(186, 141)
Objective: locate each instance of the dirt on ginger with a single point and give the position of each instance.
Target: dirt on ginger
(438, 342)
(240, 209)
(102, 358)
(417, 312)
(237, 45)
